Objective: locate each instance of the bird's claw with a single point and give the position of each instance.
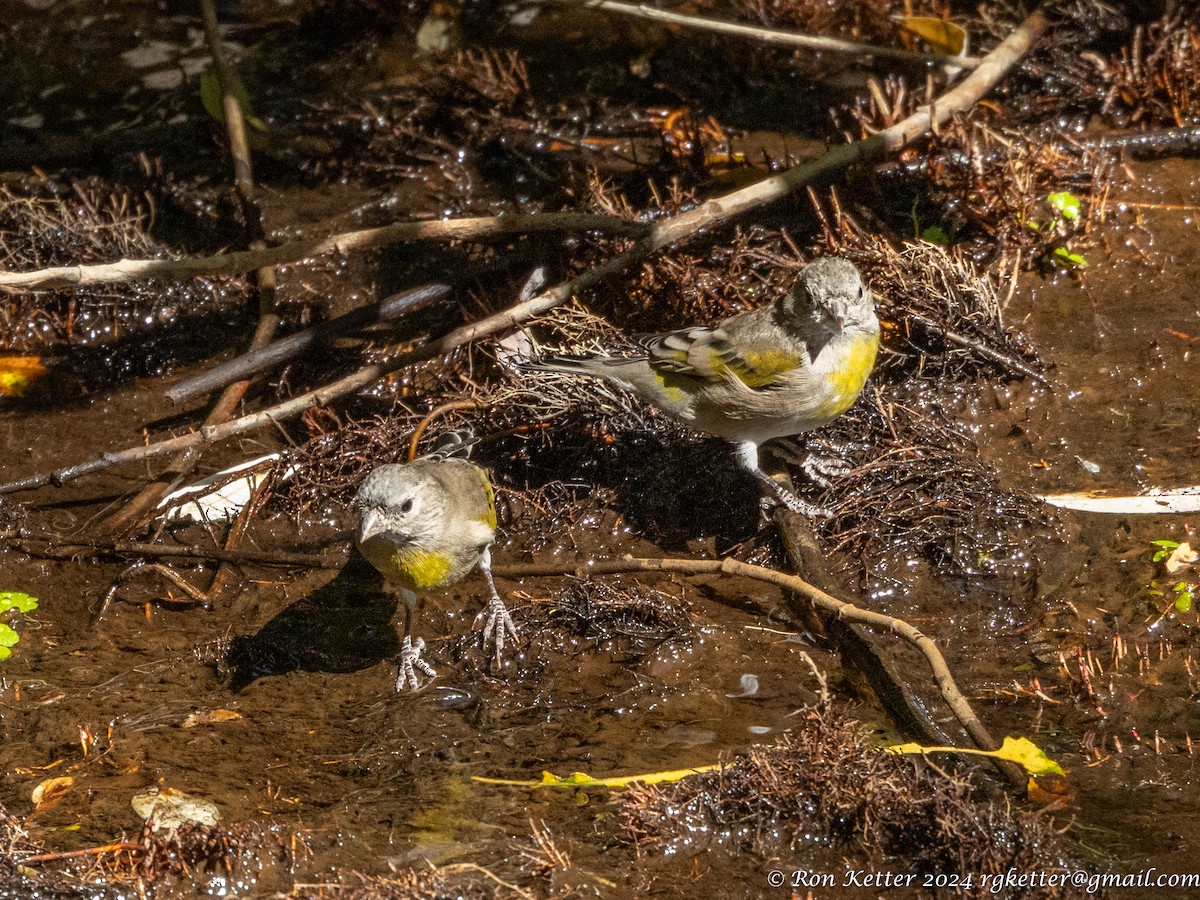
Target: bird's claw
(497, 623)
(820, 468)
(410, 661)
(790, 500)
(801, 507)
(824, 470)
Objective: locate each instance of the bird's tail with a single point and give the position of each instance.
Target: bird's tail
(596, 366)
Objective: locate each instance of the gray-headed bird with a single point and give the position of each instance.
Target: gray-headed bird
(777, 371)
(425, 524)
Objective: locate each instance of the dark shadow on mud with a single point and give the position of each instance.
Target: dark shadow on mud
(344, 626)
(686, 490)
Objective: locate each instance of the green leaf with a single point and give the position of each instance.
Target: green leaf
(1062, 254)
(8, 637)
(210, 96)
(1066, 204)
(1170, 545)
(935, 234)
(18, 601)
(1183, 602)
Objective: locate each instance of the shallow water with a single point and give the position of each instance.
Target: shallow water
(346, 775)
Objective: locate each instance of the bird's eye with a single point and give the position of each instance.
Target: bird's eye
(861, 291)
(406, 506)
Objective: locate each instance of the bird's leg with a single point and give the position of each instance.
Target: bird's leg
(495, 618)
(410, 650)
(747, 457)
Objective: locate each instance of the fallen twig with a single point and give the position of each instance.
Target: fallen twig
(118, 847)
(74, 548)
(660, 234)
(772, 36)
(477, 228)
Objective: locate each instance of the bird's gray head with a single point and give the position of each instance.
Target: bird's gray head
(399, 503)
(830, 292)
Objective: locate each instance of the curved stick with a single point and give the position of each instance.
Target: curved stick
(849, 612)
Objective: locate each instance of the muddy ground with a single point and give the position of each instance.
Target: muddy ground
(275, 700)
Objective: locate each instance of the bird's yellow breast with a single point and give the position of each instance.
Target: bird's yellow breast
(846, 381)
(413, 568)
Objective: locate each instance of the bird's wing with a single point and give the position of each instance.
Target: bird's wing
(708, 354)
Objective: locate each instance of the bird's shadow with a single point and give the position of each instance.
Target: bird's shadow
(344, 626)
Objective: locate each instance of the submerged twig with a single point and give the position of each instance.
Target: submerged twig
(1000, 359)
(661, 234)
(1151, 144)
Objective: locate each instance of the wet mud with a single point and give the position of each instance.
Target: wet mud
(275, 698)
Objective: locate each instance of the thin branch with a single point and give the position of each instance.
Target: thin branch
(476, 228)
(846, 611)
(279, 352)
(134, 513)
(46, 547)
(772, 36)
(118, 847)
(660, 235)
(1002, 360)
(208, 434)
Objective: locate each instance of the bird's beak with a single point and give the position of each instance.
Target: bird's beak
(369, 526)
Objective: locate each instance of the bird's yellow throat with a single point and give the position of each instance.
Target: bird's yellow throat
(846, 382)
(416, 569)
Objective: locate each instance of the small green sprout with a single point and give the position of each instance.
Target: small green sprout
(1183, 596)
(1066, 257)
(1166, 548)
(1065, 204)
(935, 234)
(22, 603)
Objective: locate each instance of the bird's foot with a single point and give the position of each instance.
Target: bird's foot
(497, 625)
(824, 470)
(410, 661)
(821, 469)
(791, 501)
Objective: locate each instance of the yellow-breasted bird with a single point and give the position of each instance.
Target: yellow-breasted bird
(780, 370)
(425, 524)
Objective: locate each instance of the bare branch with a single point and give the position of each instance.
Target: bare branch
(847, 611)
(772, 36)
(476, 228)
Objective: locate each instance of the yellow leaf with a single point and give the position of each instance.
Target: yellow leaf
(1021, 751)
(17, 373)
(582, 779)
(940, 35)
(210, 717)
(50, 791)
